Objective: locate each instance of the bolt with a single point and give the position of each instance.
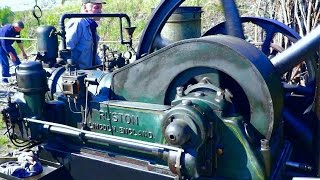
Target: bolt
(219, 151)
(219, 96)
(204, 80)
(180, 91)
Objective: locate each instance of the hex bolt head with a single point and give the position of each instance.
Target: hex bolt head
(204, 80)
(220, 151)
(219, 96)
(180, 91)
(264, 144)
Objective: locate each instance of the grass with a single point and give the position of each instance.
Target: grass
(2, 125)
(5, 144)
(3, 140)
(139, 12)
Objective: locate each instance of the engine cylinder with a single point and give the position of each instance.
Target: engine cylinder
(184, 23)
(47, 43)
(32, 82)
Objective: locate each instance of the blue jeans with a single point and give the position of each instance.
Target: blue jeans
(5, 63)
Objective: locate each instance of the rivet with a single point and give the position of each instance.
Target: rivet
(219, 151)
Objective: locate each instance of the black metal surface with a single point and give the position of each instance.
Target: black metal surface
(53, 79)
(284, 157)
(298, 130)
(83, 166)
(47, 44)
(65, 16)
(107, 170)
(232, 17)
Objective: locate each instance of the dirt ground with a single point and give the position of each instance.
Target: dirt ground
(5, 90)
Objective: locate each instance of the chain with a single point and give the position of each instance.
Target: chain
(35, 15)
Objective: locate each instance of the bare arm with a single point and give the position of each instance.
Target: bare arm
(22, 50)
(12, 56)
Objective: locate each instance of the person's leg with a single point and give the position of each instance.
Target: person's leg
(4, 65)
(17, 62)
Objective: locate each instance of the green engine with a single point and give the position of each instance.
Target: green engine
(212, 107)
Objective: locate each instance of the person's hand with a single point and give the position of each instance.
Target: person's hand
(25, 55)
(12, 57)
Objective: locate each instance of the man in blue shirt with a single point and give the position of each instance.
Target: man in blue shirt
(6, 49)
(82, 37)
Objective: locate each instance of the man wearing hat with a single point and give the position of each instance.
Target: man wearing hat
(82, 37)
(6, 49)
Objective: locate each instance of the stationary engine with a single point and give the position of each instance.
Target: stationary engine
(210, 107)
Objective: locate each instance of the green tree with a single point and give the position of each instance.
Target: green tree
(6, 15)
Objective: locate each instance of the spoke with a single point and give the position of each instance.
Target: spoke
(267, 42)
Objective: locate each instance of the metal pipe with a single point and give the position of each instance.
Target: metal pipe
(80, 15)
(232, 17)
(298, 52)
(301, 166)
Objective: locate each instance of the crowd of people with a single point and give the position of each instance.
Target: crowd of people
(81, 38)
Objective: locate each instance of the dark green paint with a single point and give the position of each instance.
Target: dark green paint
(130, 122)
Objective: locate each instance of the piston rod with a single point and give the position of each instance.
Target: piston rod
(156, 149)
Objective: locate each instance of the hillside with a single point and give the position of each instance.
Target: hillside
(25, 5)
(138, 10)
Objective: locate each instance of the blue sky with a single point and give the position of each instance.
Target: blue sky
(22, 5)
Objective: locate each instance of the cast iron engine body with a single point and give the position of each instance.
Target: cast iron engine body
(202, 108)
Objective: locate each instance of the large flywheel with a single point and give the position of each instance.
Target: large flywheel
(299, 83)
(229, 63)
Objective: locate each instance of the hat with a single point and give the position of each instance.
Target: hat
(93, 1)
(18, 24)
